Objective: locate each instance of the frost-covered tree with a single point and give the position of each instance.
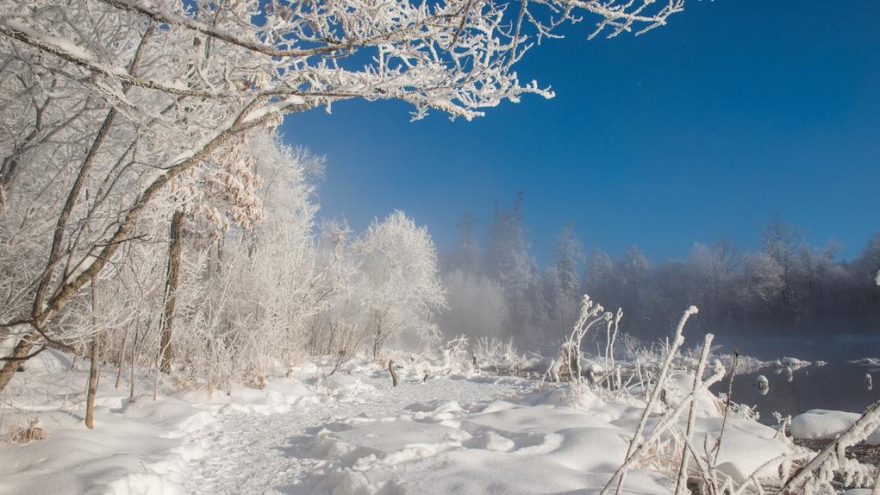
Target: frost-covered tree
(268, 283)
(476, 303)
(863, 272)
(509, 262)
(565, 292)
(401, 287)
(715, 270)
(621, 283)
(765, 278)
(602, 279)
(467, 257)
(809, 281)
(637, 287)
(341, 327)
(865, 265)
(780, 242)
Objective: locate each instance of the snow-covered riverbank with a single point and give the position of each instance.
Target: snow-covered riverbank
(352, 434)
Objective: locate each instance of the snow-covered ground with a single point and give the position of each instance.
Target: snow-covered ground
(353, 434)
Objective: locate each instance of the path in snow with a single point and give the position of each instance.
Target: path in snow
(263, 451)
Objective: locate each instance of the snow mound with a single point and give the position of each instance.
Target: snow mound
(793, 362)
(489, 440)
(144, 484)
(344, 385)
(822, 424)
(747, 447)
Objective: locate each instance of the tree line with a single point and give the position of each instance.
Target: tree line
(786, 287)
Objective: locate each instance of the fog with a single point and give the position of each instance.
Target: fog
(785, 288)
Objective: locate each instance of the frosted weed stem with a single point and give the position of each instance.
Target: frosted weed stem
(636, 442)
(681, 485)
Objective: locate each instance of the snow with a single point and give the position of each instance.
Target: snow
(763, 384)
(273, 107)
(746, 447)
(791, 362)
(61, 44)
(822, 424)
(868, 363)
(347, 434)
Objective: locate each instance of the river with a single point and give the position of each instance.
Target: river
(838, 385)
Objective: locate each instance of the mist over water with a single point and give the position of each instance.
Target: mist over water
(838, 385)
(786, 299)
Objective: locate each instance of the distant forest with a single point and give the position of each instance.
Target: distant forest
(788, 287)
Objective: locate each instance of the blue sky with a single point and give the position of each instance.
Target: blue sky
(698, 131)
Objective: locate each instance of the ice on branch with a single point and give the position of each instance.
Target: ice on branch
(456, 56)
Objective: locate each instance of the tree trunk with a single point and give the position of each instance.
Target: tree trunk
(93, 368)
(175, 251)
(93, 383)
(379, 340)
(132, 382)
(120, 360)
(21, 351)
(378, 344)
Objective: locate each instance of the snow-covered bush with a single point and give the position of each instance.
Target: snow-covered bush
(456, 356)
(570, 361)
(630, 345)
(499, 355)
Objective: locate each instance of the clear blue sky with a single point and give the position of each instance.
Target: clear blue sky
(694, 132)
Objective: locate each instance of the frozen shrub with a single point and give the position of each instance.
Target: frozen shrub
(494, 354)
(455, 354)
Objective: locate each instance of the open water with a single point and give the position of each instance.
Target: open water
(838, 385)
